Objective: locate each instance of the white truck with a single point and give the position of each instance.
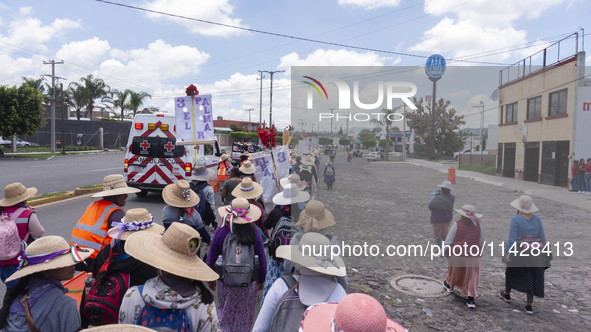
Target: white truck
(469, 151)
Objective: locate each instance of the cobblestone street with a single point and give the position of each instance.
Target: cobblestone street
(385, 204)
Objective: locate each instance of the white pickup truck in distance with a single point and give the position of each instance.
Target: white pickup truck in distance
(469, 151)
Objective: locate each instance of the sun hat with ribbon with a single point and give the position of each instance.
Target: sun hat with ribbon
(315, 217)
(247, 167)
(291, 195)
(48, 253)
(313, 253)
(114, 185)
(15, 193)
(134, 220)
(174, 252)
(248, 189)
(328, 162)
(239, 212)
(119, 328)
(469, 212)
(354, 313)
(445, 184)
(180, 195)
(524, 204)
(294, 179)
(202, 173)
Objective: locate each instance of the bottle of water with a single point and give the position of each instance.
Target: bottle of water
(218, 266)
(88, 283)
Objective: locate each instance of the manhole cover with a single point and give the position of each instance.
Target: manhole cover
(417, 285)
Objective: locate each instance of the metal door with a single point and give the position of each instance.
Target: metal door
(548, 162)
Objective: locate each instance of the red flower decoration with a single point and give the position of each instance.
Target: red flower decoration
(191, 90)
(267, 136)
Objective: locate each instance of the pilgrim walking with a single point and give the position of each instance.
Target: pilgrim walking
(441, 206)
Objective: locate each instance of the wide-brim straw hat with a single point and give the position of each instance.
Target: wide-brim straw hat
(315, 217)
(308, 160)
(466, 209)
(291, 195)
(294, 179)
(305, 167)
(303, 254)
(328, 162)
(120, 328)
(174, 252)
(445, 184)
(224, 157)
(525, 204)
(355, 312)
(48, 245)
(140, 220)
(114, 185)
(247, 167)
(202, 173)
(254, 213)
(248, 189)
(15, 193)
(180, 195)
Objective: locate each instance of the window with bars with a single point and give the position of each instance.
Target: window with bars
(534, 108)
(558, 102)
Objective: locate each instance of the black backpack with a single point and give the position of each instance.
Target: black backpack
(281, 236)
(204, 208)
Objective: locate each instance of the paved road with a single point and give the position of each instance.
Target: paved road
(61, 172)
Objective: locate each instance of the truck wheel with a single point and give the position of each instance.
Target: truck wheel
(142, 193)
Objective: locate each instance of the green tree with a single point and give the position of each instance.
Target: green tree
(35, 83)
(369, 143)
(236, 127)
(387, 123)
(75, 98)
(344, 141)
(93, 89)
(136, 100)
(21, 110)
(366, 134)
(383, 143)
(120, 99)
(325, 141)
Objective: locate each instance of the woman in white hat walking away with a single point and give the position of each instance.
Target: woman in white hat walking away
(39, 302)
(177, 298)
(465, 239)
(252, 191)
(525, 271)
(442, 211)
(237, 305)
(329, 175)
(14, 207)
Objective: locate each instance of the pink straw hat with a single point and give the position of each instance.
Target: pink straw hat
(354, 313)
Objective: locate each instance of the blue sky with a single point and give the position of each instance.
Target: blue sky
(161, 55)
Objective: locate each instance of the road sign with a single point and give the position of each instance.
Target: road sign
(428, 98)
(435, 66)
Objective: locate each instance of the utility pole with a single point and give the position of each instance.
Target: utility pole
(53, 79)
(271, 94)
(248, 110)
(261, 99)
(404, 133)
(331, 110)
(481, 105)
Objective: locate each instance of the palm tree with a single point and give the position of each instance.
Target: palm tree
(136, 100)
(121, 99)
(94, 88)
(386, 122)
(34, 83)
(75, 98)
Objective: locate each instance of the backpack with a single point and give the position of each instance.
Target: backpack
(174, 319)
(204, 208)
(180, 219)
(329, 171)
(238, 263)
(281, 236)
(11, 243)
(101, 304)
(289, 311)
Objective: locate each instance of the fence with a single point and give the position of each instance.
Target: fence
(474, 159)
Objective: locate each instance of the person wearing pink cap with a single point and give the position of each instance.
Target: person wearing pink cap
(354, 313)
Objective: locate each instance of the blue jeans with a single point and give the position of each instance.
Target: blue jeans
(582, 186)
(588, 181)
(5, 272)
(574, 182)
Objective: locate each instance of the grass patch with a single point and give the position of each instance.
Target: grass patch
(92, 186)
(55, 193)
(489, 170)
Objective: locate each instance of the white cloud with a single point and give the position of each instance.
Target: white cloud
(88, 52)
(341, 57)
(12, 70)
(370, 4)
(219, 11)
(472, 114)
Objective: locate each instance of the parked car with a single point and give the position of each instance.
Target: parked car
(5, 142)
(469, 151)
(21, 143)
(374, 156)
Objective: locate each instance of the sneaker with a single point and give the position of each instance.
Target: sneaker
(447, 286)
(506, 297)
(529, 310)
(470, 303)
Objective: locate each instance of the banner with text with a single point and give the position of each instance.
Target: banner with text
(194, 120)
(265, 171)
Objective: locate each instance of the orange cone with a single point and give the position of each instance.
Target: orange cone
(451, 175)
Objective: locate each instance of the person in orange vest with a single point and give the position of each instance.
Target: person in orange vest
(223, 167)
(91, 230)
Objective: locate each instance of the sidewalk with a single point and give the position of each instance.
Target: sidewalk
(59, 151)
(557, 194)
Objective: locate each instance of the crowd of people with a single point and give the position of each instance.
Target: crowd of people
(581, 176)
(163, 277)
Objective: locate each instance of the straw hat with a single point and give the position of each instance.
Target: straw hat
(467, 209)
(15, 193)
(305, 167)
(135, 220)
(174, 252)
(114, 185)
(180, 195)
(328, 162)
(224, 157)
(304, 254)
(524, 204)
(354, 313)
(248, 189)
(315, 217)
(291, 195)
(247, 167)
(294, 179)
(237, 209)
(445, 184)
(120, 327)
(49, 245)
(202, 173)
(308, 160)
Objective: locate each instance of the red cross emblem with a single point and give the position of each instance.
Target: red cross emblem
(145, 145)
(169, 146)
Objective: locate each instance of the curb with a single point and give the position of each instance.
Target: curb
(69, 194)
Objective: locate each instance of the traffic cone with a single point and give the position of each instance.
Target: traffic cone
(451, 175)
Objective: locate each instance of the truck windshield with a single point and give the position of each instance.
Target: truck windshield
(156, 147)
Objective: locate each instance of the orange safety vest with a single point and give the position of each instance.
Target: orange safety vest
(91, 229)
(223, 171)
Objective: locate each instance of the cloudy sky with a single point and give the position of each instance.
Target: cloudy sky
(147, 50)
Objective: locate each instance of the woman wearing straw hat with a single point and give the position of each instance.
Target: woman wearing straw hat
(46, 307)
(306, 175)
(224, 167)
(14, 206)
(178, 290)
(465, 240)
(181, 202)
(329, 175)
(525, 273)
(252, 191)
(354, 313)
(237, 304)
(313, 282)
(229, 185)
(248, 169)
(442, 207)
